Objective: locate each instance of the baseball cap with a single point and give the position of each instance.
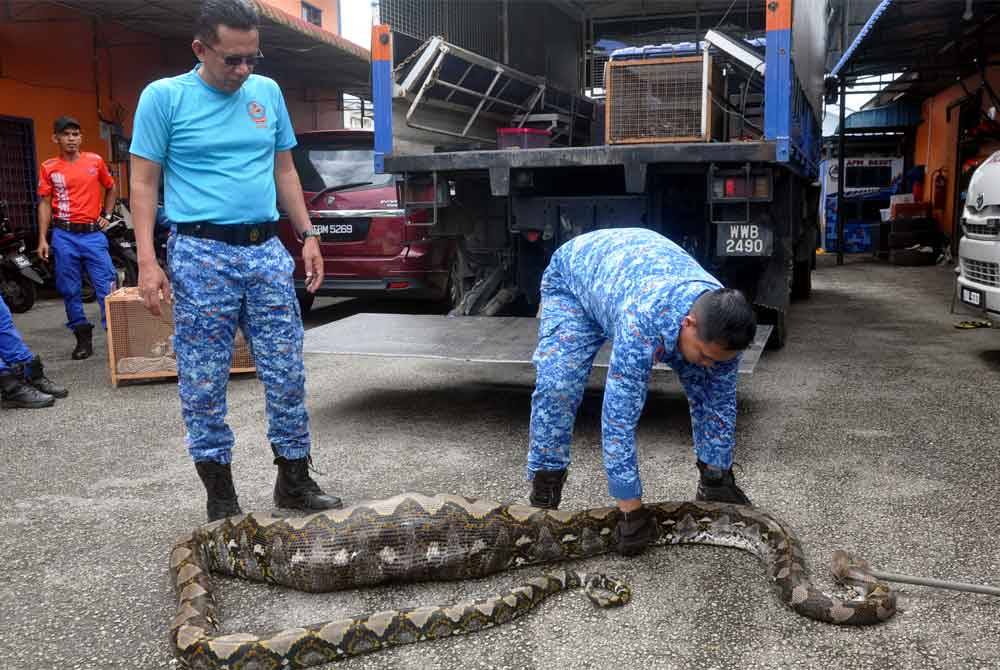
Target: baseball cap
(64, 122)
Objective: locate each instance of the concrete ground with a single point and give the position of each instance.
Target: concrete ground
(875, 430)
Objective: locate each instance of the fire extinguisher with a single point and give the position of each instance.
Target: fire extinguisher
(940, 190)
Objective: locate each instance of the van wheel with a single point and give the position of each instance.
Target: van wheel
(305, 301)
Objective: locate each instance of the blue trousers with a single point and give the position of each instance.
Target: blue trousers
(13, 350)
(71, 252)
(218, 288)
(568, 342)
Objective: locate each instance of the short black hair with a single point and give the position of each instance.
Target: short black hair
(725, 317)
(235, 14)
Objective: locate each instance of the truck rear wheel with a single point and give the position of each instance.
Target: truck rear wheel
(305, 301)
(779, 328)
(802, 279)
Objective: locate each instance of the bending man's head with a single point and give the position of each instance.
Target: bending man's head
(719, 326)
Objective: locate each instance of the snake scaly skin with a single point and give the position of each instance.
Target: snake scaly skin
(414, 537)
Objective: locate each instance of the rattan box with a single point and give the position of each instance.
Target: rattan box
(140, 345)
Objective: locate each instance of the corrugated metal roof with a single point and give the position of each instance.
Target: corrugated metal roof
(897, 115)
(931, 42)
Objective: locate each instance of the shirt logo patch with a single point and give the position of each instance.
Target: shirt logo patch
(258, 114)
(91, 170)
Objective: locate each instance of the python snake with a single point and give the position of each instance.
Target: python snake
(414, 537)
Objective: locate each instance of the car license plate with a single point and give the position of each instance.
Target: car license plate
(972, 296)
(21, 261)
(744, 239)
(342, 230)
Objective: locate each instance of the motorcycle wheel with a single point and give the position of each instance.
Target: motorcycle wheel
(18, 292)
(127, 272)
(87, 291)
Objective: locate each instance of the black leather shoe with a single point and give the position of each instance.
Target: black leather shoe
(218, 481)
(716, 485)
(546, 488)
(295, 489)
(84, 342)
(15, 393)
(635, 531)
(34, 374)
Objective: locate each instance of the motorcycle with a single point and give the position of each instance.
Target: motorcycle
(121, 248)
(18, 276)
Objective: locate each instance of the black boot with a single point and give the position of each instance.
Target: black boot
(635, 531)
(546, 488)
(15, 393)
(34, 374)
(718, 485)
(218, 481)
(295, 489)
(84, 342)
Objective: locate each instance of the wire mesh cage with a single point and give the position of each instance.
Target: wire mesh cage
(659, 100)
(140, 345)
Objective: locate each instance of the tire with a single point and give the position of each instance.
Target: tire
(779, 331)
(18, 293)
(802, 280)
(127, 272)
(779, 334)
(458, 283)
(306, 300)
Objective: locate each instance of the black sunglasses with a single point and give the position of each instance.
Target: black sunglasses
(236, 61)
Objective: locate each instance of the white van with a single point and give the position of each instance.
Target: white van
(979, 248)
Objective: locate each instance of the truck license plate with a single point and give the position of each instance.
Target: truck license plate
(744, 239)
(971, 296)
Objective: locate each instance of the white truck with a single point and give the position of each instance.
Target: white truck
(979, 248)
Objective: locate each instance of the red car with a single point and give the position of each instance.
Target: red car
(370, 247)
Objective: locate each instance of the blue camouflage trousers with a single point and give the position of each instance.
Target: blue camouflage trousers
(568, 342)
(13, 350)
(70, 253)
(217, 288)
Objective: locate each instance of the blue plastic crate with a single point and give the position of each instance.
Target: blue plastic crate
(857, 237)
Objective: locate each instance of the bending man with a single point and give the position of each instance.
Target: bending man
(657, 304)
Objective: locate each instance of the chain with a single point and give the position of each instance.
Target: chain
(406, 61)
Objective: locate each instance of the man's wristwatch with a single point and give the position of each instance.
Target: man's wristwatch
(309, 232)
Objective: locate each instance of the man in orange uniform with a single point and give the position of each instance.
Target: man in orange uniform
(70, 191)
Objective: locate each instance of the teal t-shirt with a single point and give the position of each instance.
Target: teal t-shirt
(216, 149)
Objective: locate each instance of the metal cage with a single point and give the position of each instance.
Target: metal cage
(659, 100)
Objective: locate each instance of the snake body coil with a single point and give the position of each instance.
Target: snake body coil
(413, 537)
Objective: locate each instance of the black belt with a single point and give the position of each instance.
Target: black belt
(75, 227)
(241, 234)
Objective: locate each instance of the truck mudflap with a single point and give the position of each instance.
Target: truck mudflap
(473, 339)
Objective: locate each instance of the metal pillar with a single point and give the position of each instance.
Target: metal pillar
(841, 169)
(841, 174)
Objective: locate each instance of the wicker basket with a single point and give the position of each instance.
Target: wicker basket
(140, 345)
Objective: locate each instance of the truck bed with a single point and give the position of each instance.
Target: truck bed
(620, 154)
(472, 339)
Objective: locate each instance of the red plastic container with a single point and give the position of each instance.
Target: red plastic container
(523, 138)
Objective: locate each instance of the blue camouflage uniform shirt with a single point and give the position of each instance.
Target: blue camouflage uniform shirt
(637, 286)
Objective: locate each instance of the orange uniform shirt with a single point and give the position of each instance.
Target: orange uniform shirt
(75, 187)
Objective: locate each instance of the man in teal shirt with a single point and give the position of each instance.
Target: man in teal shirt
(220, 135)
